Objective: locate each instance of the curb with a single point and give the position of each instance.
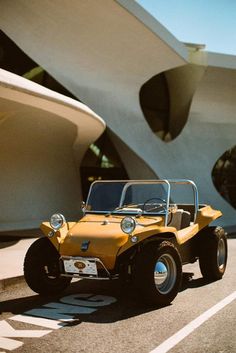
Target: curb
(6, 283)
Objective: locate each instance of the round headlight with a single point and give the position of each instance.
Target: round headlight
(128, 225)
(57, 221)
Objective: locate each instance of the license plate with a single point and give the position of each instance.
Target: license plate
(80, 266)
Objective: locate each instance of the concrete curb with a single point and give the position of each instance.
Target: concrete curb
(12, 256)
(6, 283)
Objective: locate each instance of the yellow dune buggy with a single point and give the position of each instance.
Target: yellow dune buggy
(132, 230)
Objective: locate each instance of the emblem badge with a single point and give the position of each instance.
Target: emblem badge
(80, 265)
(85, 245)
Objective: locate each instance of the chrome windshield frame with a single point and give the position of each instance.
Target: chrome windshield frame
(166, 182)
(128, 183)
(139, 182)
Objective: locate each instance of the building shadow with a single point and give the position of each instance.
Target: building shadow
(5, 242)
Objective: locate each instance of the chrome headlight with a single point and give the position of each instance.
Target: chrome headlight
(57, 221)
(128, 225)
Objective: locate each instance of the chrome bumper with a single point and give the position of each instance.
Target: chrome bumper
(102, 273)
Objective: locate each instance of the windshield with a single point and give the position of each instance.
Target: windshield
(128, 197)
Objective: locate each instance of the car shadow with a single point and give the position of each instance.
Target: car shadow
(189, 282)
(126, 304)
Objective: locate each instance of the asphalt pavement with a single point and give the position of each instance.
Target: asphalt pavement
(101, 317)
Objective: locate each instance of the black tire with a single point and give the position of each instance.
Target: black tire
(41, 268)
(156, 286)
(213, 253)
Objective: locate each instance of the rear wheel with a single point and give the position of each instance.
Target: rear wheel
(213, 253)
(41, 268)
(158, 273)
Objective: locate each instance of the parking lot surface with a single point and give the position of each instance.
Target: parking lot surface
(106, 317)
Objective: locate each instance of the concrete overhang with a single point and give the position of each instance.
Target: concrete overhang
(14, 88)
(224, 61)
(152, 24)
(117, 43)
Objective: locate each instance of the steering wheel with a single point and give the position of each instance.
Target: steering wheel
(151, 207)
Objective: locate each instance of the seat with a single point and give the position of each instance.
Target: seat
(186, 219)
(180, 219)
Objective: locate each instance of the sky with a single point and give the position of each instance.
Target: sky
(209, 22)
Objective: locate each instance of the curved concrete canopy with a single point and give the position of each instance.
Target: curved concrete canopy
(42, 134)
(104, 54)
(18, 89)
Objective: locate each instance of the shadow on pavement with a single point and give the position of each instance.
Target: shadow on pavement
(11, 238)
(231, 236)
(127, 304)
(6, 242)
(21, 234)
(189, 282)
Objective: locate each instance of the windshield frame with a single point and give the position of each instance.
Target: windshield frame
(128, 183)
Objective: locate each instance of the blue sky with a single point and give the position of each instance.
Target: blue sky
(210, 22)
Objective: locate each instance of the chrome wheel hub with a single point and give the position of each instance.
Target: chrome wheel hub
(221, 254)
(165, 273)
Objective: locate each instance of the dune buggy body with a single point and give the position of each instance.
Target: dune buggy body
(132, 230)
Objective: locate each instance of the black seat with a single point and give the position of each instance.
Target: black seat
(186, 219)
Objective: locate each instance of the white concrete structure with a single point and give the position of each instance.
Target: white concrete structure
(43, 136)
(104, 52)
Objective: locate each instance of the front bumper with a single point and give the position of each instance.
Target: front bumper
(85, 267)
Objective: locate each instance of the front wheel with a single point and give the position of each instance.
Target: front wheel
(158, 273)
(41, 268)
(213, 253)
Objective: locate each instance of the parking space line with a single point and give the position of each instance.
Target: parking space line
(193, 325)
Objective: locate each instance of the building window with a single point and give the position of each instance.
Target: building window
(101, 162)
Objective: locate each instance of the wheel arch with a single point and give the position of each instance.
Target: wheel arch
(131, 252)
(159, 237)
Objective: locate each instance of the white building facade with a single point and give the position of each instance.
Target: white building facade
(170, 107)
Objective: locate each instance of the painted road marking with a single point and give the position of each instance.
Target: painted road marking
(52, 315)
(56, 315)
(193, 325)
(88, 300)
(39, 321)
(59, 311)
(7, 331)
